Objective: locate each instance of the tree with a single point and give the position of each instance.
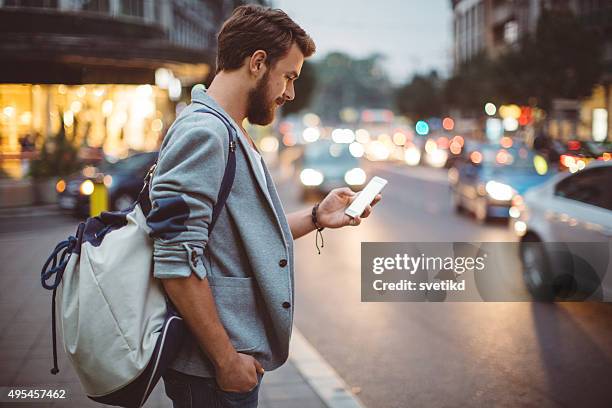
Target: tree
(421, 98)
(472, 86)
(343, 81)
(564, 59)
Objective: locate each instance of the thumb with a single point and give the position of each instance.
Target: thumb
(345, 191)
(258, 366)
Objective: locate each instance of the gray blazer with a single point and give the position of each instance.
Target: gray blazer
(249, 257)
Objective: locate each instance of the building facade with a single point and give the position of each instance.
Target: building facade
(107, 73)
(490, 27)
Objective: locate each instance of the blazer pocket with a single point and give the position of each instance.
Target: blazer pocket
(236, 303)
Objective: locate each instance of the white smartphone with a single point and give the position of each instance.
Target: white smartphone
(365, 196)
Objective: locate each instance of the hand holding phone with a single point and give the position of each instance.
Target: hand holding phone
(365, 197)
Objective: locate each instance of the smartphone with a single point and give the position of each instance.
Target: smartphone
(365, 196)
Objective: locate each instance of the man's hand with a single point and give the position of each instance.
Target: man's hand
(331, 214)
(239, 374)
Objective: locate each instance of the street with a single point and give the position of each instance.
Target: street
(443, 354)
(392, 354)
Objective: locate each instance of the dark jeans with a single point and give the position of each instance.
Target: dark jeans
(187, 391)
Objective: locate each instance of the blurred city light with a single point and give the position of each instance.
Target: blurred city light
(377, 151)
(506, 142)
(510, 111)
(311, 134)
(540, 164)
(499, 191)
(520, 228)
(399, 138)
(510, 124)
(600, 124)
(430, 146)
(442, 142)
(458, 139)
(362, 136)
(422, 128)
(289, 140)
(455, 148)
(311, 177)
(412, 155)
(343, 136)
(60, 186)
(436, 158)
(476, 157)
(494, 129)
(87, 187)
(311, 120)
(162, 77)
(108, 180)
(157, 125)
(448, 124)
(355, 177)
(174, 89)
(269, 144)
(503, 157)
(490, 109)
(68, 118)
(356, 149)
(107, 107)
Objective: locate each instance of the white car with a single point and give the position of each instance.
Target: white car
(569, 218)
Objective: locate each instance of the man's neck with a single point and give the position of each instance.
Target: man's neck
(232, 97)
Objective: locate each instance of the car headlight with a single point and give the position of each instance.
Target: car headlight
(311, 177)
(355, 177)
(499, 191)
(87, 187)
(412, 156)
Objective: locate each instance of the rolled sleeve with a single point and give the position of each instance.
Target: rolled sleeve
(184, 189)
(178, 261)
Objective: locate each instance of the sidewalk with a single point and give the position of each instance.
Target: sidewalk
(305, 381)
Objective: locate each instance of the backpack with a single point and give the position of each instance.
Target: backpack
(119, 329)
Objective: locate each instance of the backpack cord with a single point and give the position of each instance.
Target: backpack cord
(57, 269)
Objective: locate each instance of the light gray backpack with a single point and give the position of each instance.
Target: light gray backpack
(118, 328)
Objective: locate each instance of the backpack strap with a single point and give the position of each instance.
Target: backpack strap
(228, 176)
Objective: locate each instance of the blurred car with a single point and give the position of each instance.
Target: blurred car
(326, 165)
(123, 179)
(580, 153)
(486, 182)
(568, 208)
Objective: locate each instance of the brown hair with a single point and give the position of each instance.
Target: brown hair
(251, 28)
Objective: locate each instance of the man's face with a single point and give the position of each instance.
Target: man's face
(274, 88)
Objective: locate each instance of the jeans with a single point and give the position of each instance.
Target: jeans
(187, 391)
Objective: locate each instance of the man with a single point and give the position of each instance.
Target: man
(237, 297)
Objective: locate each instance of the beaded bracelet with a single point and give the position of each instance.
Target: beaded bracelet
(318, 228)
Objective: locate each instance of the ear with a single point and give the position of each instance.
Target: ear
(257, 62)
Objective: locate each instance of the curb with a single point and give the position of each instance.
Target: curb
(321, 377)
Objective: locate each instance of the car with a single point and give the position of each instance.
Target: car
(485, 183)
(572, 211)
(325, 165)
(123, 179)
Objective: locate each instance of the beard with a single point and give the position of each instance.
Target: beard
(260, 106)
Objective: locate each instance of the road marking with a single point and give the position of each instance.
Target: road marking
(321, 376)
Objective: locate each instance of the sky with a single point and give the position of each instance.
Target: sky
(414, 35)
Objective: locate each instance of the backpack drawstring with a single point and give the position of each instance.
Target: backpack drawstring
(57, 269)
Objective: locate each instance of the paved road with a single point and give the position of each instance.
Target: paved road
(443, 354)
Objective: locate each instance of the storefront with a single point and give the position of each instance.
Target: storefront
(108, 82)
(117, 119)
